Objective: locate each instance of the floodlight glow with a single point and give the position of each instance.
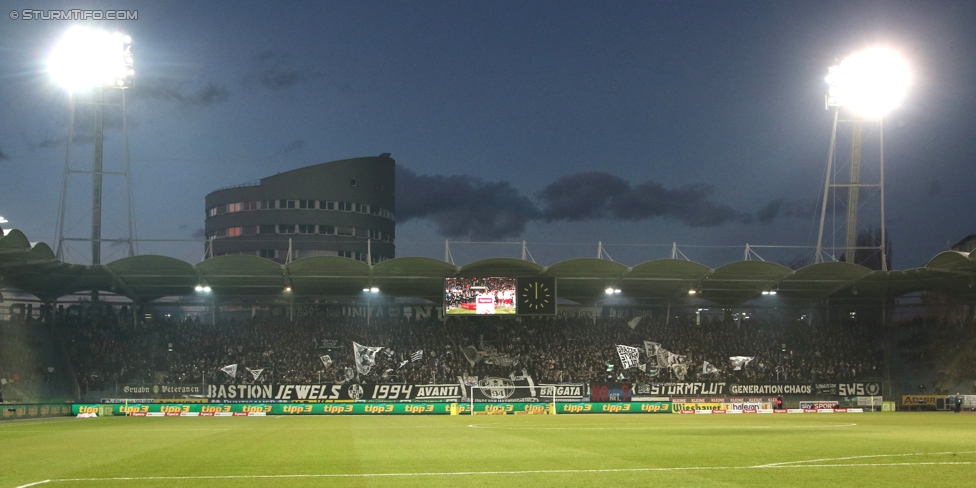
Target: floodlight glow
(374, 290)
(608, 291)
(287, 289)
(692, 292)
(198, 288)
(871, 83)
(87, 58)
(206, 289)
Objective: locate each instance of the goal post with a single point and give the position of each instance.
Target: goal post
(513, 400)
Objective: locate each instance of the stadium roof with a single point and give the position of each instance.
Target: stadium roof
(35, 270)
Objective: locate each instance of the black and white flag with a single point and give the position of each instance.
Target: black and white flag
(739, 362)
(231, 370)
(326, 361)
(256, 373)
(403, 363)
(629, 356)
(365, 357)
(417, 356)
(707, 368)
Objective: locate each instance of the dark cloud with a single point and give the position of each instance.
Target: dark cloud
(199, 233)
(463, 206)
(595, 195)
(180, 92)
(294, 145)
(278, 70)
(3, 155)
(782, 208)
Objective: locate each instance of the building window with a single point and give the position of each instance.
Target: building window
(353, 182)
(234, 232)
(286, 203)
(267, 253)
(286, 229)
(326, 205)
(327, 229)
(361, 233)
(307, 204)
(374, 210)
(268, 204)
(234, 207)
(252, 205)
(249, 230)
(345, 231)
(306, 229)
(266, 229)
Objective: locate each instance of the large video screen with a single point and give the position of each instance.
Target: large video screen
(492, 295)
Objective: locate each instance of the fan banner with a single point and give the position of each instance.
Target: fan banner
(497, 389)
(365, 357)
(230, 369)
(739, 362)
(629, 356)
(256, 373)
(334, 392)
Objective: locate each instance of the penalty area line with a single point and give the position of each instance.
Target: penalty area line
(488, 473)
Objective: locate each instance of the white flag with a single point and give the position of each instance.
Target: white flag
(326, 361)
(403, 363)
(629, 356)
(365, 357)
(256, 373)
(680, 370)
(231, 370)
(739, 362)
(707, 368)
(632, 323)
(417, 356)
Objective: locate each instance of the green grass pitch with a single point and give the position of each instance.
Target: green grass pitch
(898, 449)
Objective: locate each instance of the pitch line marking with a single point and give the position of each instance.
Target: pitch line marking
(534, 471)
(867, 456)
(669, 427)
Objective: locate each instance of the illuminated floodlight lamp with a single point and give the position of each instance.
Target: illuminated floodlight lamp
(692, 291)
(374, 290)
(87, 58)
(611, 290)
(870, 83)
(201, 289)
(769, 292)
(287, 289)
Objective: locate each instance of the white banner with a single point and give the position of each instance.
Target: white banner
(326, 361)
(230, 369)
(256, 373)
(365, 357)
(739, 362)
(629, 356)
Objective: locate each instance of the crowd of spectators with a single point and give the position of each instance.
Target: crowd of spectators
(108, 349)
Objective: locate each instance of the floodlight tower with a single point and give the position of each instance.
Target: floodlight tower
(90, 62)
(867, 85)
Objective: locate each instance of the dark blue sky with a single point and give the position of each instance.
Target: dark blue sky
(631, 123)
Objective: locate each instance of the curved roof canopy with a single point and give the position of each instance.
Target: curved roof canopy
(35, 270)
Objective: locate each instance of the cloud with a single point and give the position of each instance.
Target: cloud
(294, 145)
(780, 207)
(199, 233)
(276, 71)
(3, 155)
(463, 206)
(180, 92)
(466, 206)
(596, 195)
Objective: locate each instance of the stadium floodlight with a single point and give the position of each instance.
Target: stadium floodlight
(692, 291)
(608, 291)
(287, 289)
(88, 58)
(374, 290)
(870, 83)
(198, 288)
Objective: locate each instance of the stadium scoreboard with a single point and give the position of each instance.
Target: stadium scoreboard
(500, 295)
